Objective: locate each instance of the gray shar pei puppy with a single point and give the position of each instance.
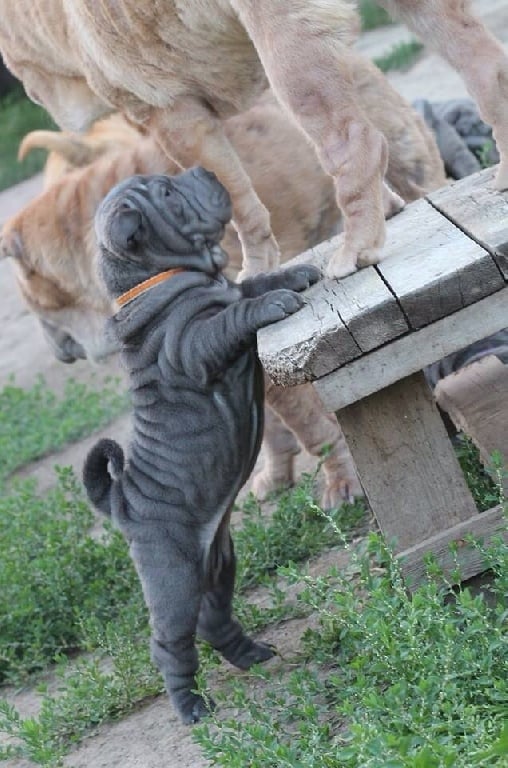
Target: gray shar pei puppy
(188, 340)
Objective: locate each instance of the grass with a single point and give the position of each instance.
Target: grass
(80, 593)
(66, 575)
(485, 485)
(418, 682)
(18, 116)
(372, 15)
(388, 680)
(401, 56)
(35, 421)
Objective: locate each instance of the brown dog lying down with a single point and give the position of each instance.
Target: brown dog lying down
(53, 247)
(182, 68)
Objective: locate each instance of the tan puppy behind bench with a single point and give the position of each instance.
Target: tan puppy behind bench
(182, 68)
(476, 399)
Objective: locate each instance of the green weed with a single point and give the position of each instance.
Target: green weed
(52, 574)
(295, 532)
(485, 485)
(35, 421)
(387, 680)
(401, 56)
(107, 617)
(18, 116)
(372, 15)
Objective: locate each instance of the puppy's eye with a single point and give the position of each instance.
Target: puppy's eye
(167, 192)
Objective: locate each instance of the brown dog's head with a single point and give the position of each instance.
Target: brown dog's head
(65, 296)
(51, 241)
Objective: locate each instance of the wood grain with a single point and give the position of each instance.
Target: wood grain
(479, 210)
(413, 352)
(406, 462)
(432, 267)
(461, 556)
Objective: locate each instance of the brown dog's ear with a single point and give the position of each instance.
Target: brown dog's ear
(11, 244)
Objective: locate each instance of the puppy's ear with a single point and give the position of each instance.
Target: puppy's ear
(11, 244)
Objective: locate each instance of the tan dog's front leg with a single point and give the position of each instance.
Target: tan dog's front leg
(191, 135)
(301, 411)
(304, 49)
(462, 39)
(279, 449)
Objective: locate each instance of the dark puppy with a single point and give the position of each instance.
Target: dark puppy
(188, 339)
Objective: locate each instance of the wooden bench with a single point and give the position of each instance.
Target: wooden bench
(363, 342)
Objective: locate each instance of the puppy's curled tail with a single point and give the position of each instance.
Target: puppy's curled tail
(97, 479)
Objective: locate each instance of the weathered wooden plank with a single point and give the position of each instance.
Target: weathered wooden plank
(406, 463)
(365, 305)
(313, 340)
(367, 308)
(480, 210)
(468, 559)
(432, 267)
(412, 352)
(341, 320)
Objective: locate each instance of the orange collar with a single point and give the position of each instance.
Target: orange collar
(146, 284)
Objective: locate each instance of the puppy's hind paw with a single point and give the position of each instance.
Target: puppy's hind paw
(255, 653)
(192, 708)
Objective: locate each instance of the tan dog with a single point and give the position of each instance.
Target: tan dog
(53, 249)
(182, 68)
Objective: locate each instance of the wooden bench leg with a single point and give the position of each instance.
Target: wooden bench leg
(409, 472)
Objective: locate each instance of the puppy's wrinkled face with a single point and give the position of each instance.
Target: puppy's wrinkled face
(147, 224)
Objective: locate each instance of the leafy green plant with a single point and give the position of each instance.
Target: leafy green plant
(35, 421)
(388, 679)
(53, 573)
(295, 532)
(401, 56)
(117, 633)
(485, 484)
(18, 116)
(372, 15)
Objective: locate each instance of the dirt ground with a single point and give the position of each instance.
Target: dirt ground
(152, 737)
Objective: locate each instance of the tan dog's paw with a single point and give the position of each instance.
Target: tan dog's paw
(335, 495)
(392, 202)
(271, 479)
(262, 258)
(338, 491)
(501, 180)
(369, 257)
(341, 264)
(264, 483)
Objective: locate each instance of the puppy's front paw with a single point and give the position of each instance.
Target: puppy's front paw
(301, 277)
(280, 304)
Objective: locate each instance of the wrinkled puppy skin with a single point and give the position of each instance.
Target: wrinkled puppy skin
(189, 345)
